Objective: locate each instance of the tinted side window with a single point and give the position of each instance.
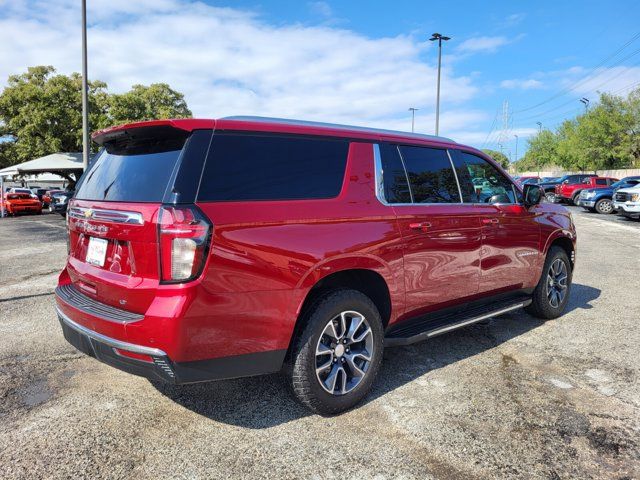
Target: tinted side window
(574, 179)
(255, 167)
(487, 183)
(430, 175)
(601, 181)
(396, 188)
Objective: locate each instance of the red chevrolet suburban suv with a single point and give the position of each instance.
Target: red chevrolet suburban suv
(211, 249)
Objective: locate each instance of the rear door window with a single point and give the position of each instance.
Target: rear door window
(430, 175)
(601, 181)
(269, 167)
(396, 186)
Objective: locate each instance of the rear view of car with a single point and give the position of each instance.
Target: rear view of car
(18, 203)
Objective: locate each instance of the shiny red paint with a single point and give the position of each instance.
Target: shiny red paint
(568, 191)
(265, 257)
(15, 203)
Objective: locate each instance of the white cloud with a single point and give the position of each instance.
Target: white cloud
(482, 44)
(513, 19)
(229, 61)
(524, 84)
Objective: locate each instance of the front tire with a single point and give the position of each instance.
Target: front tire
(336, 358)
(604, 206)
(551, 295)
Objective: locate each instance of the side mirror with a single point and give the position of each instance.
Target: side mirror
(533, 195)
(565, 182)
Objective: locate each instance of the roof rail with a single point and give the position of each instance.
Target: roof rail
(381, 131)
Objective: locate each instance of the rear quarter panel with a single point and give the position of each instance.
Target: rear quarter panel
(266, 255)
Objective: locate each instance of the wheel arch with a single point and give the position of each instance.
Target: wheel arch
(370, 277)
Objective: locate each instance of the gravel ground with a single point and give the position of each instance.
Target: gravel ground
(517, 398)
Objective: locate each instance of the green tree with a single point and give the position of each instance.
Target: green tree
(499, 157)
(543, 150)
(158, 100)
(41, 111)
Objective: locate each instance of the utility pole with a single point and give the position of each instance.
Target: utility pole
(413, 118)
(585, 102)
(516, 159)
(439, 38)
(85, 90)
(539, 132)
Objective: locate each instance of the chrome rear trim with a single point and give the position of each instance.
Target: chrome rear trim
(111, 342)
(112, 216)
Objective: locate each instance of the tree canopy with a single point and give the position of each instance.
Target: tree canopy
(499, 157)
(41, 111)
(605, 137)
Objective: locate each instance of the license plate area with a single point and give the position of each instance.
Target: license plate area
(97, 251)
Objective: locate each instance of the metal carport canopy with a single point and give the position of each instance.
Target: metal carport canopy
(62, 164)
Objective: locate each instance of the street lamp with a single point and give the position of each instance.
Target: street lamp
(516, 147)
(440, 39)
(85, 88)
(413, 118)
(585, 101)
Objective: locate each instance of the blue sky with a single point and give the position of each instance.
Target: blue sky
(351, 62)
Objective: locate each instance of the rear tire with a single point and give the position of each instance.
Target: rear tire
(329, 372)
(604, 206)
(551, 295)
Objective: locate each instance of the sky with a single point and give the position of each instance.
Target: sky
(355, 62)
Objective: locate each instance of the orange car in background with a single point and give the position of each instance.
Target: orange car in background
(15, 203)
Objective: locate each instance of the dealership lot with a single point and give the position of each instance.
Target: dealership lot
(512, 399)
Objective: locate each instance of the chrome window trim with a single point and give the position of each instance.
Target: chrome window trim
(111, 342)
(104, 215)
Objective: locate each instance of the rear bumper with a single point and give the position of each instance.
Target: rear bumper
(155, 364)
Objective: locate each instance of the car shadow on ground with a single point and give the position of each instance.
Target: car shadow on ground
(263, 402)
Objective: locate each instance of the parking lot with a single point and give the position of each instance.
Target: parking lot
(517, 398)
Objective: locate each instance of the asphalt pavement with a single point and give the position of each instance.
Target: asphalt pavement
(517, 398)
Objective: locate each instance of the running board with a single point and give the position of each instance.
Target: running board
(417, 331)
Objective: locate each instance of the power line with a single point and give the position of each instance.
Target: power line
(586, 77)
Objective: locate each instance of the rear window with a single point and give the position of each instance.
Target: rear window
(268, 167)
(131, 172)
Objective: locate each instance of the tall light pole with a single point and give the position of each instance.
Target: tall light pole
(413, 118)
(440, 38)
(516, 159)
(585, 102)
(85, 89)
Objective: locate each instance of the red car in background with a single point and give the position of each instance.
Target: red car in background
(46, 198)
(568, 190)
(15, 203)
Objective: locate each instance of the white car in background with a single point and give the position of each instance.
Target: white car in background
(626, 201)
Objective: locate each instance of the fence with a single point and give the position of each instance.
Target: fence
(625, 172)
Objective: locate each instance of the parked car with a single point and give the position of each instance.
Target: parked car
(527, 179)
(626, 202)
(211, 249)
(25, 191)
(15, 203)
(59, 202)
(569, 189)
(549, 186)
(46, 198)
(601, 199)
(39, 192)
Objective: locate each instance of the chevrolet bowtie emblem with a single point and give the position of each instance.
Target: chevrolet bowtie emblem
(88, 213)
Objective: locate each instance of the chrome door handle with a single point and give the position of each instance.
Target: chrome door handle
(420, 226)
(490, 221)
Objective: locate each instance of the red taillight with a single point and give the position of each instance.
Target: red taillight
(183, 234)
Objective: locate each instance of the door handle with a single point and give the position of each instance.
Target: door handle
(424, 226)
(490, 221)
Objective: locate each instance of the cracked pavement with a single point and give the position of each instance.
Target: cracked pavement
(517, 398)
